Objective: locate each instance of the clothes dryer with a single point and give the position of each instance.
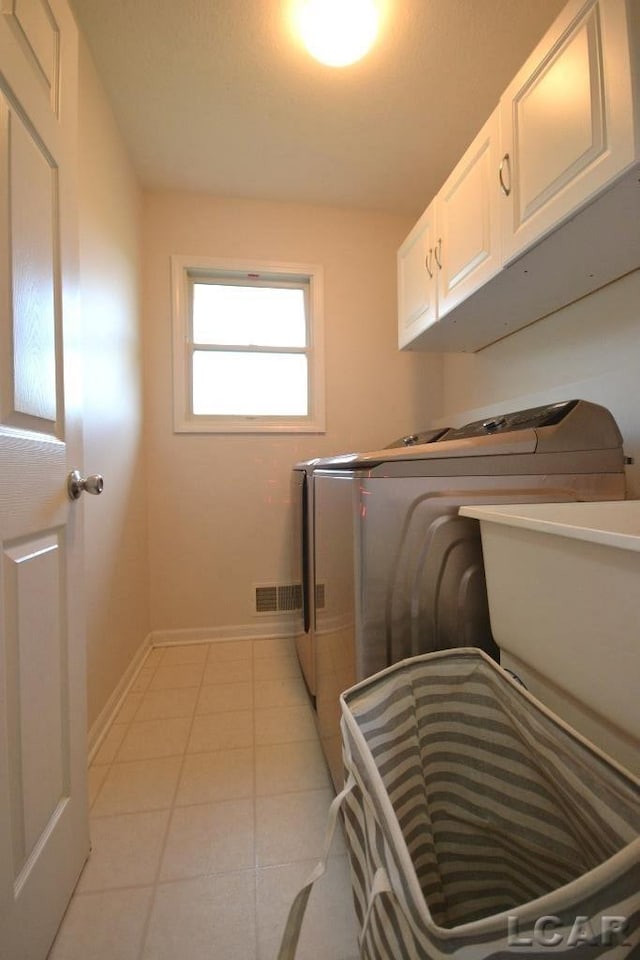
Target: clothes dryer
(304, 549)
(400, 571)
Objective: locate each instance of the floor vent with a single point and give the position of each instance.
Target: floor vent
(278, 598)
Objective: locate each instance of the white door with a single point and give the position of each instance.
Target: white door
(43, 811)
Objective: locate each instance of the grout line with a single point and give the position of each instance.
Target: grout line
(154, 884)
(163, 844)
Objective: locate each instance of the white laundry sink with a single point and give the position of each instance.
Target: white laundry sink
(563, 581)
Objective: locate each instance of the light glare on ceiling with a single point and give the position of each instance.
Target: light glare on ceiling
(338, 32)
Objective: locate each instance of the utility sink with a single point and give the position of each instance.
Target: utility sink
(563, 582)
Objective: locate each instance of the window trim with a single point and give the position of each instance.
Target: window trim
(183, 270)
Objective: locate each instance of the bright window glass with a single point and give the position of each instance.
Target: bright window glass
(232, 384)
(248, 346)
(249, 315)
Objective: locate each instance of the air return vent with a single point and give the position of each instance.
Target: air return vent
(278, 598)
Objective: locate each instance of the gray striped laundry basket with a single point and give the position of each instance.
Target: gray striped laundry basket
(479, 825)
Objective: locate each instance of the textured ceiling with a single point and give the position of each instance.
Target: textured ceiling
(217, 96)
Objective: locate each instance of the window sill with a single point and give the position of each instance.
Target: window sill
(255, 425)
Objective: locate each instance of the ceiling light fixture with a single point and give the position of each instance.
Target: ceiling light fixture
(338, 32)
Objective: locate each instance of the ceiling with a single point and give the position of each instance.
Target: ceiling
(217, 96)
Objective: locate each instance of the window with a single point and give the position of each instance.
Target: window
(247, 347)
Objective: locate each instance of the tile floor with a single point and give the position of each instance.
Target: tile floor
(209, 797)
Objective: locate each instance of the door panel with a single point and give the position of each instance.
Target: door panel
(36, 29)
(32, 200)
(36, 687)
(43, 808)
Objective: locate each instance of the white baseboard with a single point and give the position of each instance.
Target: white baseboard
(104, 719)
(161, 638)
(265, 629)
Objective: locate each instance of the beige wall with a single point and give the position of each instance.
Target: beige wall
(589, 350)
(219, 506)
(115, 523)
(183, 550)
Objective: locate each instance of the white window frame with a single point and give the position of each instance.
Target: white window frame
(183, 271)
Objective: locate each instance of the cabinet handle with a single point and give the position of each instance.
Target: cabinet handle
(505, 160)
(438, 253)
(427, 262)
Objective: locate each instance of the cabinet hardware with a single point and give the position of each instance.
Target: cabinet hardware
(506, 160)
(427, 262)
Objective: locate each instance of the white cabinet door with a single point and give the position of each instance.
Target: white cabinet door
(417, 292)
(468, 221)
(44, 838)
(567, 121)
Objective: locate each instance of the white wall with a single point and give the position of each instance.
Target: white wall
(590, 350)
(220, 512)
(115, 522)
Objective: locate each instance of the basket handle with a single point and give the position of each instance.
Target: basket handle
(297, 910)
(380, 884)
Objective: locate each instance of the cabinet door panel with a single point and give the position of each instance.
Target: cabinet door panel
(467, 221)
(417, 307)
(567, 121)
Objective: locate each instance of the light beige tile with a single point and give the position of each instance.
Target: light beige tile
(278, 667)
(104, 926)
(222, 697)
(292, 827)
(273, 646)
(96, 778)
(160, 704)
(329, 930)
(209, 838)
(178, 676)
(230, 650)
(184, 653)
(285, 724)
(228, 671)
(203, 919)
(142, 680)
(125, 851)
(138, 786)
(211, 777)
(221, 731)
(285, 692)
(128, 708)
(147, 739)
(109, 747)
(290, 767)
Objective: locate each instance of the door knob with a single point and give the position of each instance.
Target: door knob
(77, 484)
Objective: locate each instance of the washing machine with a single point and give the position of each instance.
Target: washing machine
(304, 546)
(400, 571)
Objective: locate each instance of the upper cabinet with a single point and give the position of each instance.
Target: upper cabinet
(567, 123)
(545, 204)
(455, 246)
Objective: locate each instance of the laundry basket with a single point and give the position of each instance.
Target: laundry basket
(478, 824)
